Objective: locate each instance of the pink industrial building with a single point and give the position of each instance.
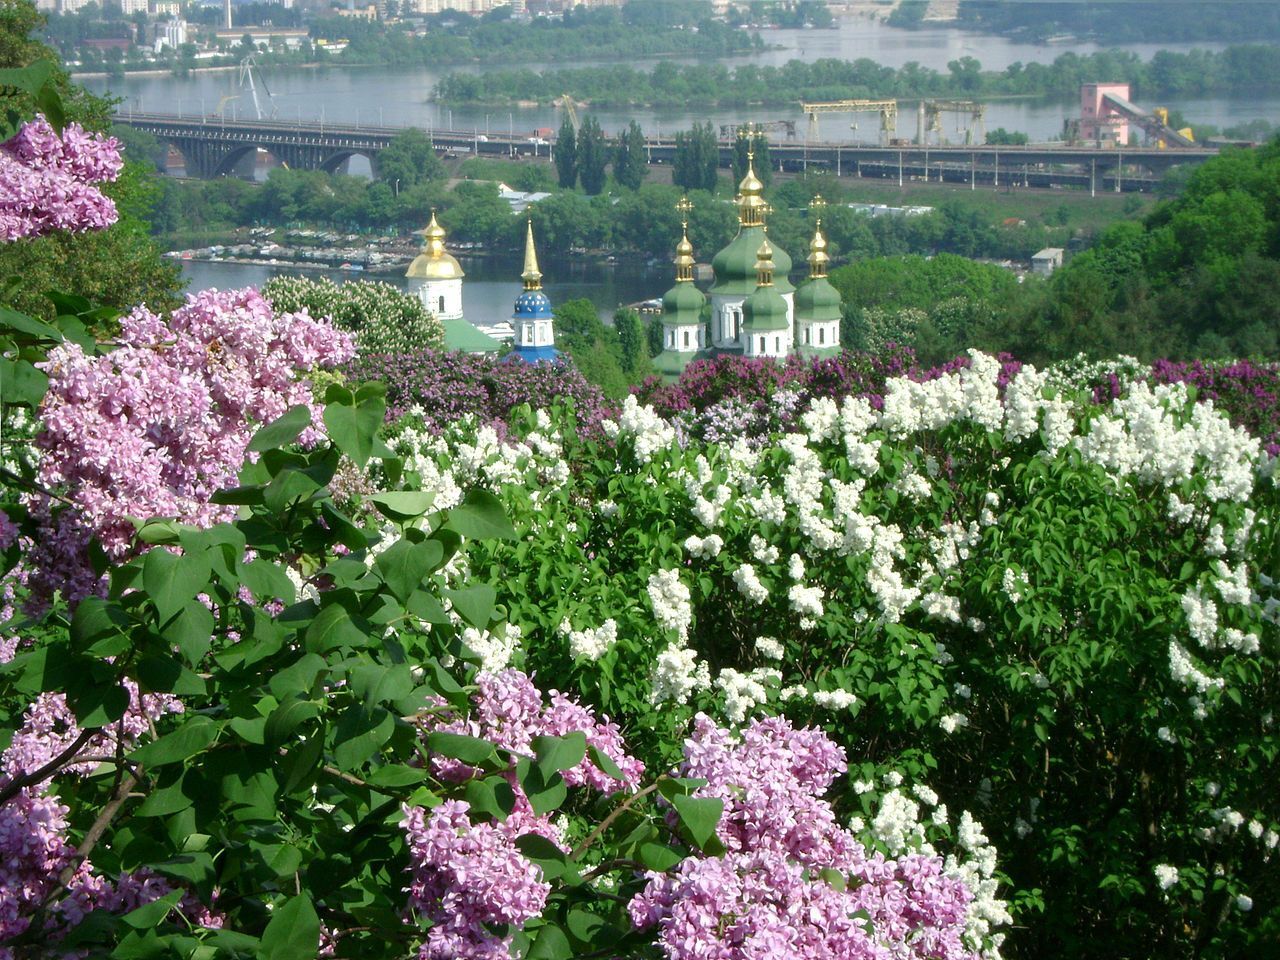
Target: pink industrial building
(1099, 120)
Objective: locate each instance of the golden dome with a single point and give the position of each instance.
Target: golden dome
(764, 264)
(433, 263)
(751, 204)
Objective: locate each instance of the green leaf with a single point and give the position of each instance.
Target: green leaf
(151, 914)
(21, 323)
(700, 816)
(98, 704)
(194, 736)
(96, 618)
(191, 631)
(286, 718)
(397, 775)
(604, 764)
(458, 746)
(375, 683)
(492, 796)
(360, 733)
(480, 516)
(354, 428)
(474, 604)
(21, 383)
(267, 581)
(559, 753)
(545, 793)
(404, 565)
(402, 505)
(550, 944)
(171, 580)
(281, 431)
(333, 629)
(658, 856)
(293, 933)
(541, 851)
(347, 533)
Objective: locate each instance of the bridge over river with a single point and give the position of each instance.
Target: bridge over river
(214, 146)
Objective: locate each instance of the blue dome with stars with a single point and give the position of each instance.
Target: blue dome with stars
(532, 305)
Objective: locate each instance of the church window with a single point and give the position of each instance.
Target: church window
(763, 348)
(822, 335)
(442, 304)
(526, 335)
(777, 344)
(686, 338)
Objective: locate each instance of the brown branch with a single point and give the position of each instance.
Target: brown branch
(581, 848)
(100, 825)
(17, 784)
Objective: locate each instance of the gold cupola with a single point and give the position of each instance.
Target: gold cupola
(764, 264)
(531, 276)
(684, 261)
(751, 205)
(434, 262)
(818, 256)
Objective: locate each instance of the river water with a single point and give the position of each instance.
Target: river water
(395, 96)
(491, 285)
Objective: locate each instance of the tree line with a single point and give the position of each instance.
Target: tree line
(1235, 70)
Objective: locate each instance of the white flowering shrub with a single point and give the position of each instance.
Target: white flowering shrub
(382, 318)
(1056, 613)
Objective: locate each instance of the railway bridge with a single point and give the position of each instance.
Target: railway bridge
(213, 146)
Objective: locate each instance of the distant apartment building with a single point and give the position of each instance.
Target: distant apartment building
(165, 8)
(130, 7)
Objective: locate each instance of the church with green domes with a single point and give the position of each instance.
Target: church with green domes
(754, 309)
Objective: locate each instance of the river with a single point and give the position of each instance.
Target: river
(395, 96)
(491, 285)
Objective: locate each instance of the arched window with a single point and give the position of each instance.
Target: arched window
(822, 335)
(763, 348)
(442, 304)
(686, 339)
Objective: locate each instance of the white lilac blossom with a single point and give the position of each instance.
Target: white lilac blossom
(769, 648)
(1166, 875)
(670, 601)
(677, 673)
(749, 584)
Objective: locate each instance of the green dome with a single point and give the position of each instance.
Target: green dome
(817, 299)
(682, 304)
(735, 265)
(765, 310)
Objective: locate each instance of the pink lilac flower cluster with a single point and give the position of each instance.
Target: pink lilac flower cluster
(467, 876)
(793, 882)
(35, 854)
(508, 711)
(158, 425)
(49, 182)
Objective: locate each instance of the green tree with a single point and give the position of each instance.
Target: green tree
(631, 343)
(565, 154)
(410, 159)
(593, 156)
(629, 164)
(697, 159)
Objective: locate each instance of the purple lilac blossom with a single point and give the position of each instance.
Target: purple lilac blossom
(158, 425)
(49, 182)
(792, 881)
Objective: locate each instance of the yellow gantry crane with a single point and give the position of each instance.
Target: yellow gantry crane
(567, 104)
(887, 109)
(929, 120)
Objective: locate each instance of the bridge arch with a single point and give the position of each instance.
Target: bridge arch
(237, 154)
(334, 161)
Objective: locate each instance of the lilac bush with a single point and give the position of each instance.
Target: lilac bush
(450, 386)
(50, 182)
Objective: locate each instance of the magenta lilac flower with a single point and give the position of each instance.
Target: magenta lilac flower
(793, 881)
(50, 182)
(158, 425)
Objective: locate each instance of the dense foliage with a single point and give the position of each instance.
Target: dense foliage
(381, 318)
(1244, 69)
(1118, 21)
